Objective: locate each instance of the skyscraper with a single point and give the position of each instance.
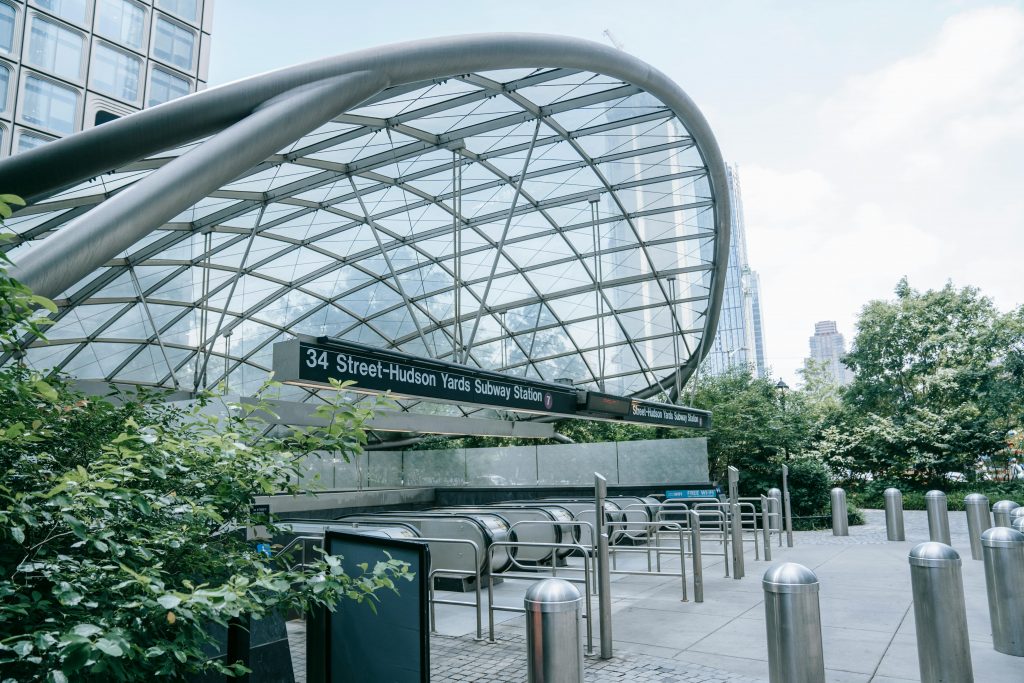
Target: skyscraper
(828, 348)
(740, 339)
(69, 65)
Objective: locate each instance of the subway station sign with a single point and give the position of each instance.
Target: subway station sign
(316, 362)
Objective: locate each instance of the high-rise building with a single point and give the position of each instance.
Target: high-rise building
(69, 65)
(828, 348)
(740, 340)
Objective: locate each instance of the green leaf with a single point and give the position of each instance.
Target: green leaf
(46, 391)
(43, 302)
(18, 534)
(169, 601)
(22, 648)
(86, 630)
(109, 647)
(12, 199)
(56, 676)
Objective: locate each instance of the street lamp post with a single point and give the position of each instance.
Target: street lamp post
(782, 388)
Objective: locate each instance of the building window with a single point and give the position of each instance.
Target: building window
(186, 9)
(69, 10)
(115, 73)
(27, 141)
(164, 87)
(49, 105)
(104, 117)
(7, 18)
(5, 86)
(121, 21)
(174, 44)
(55, 48)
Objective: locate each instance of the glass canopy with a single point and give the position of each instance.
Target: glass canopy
(548, 223)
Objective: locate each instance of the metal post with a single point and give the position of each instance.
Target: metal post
(698, 563)
(1018, 524)
(894, 515)
(938, 517)
(776, 518)
(840, 522)
(787, 506)
(553, 652)
(1001, 512)
(1004, 567)
(738, 571)
(604, 599)
(793, 618)
(1015, 514)
(979, 519)
(766, 531)
(943, 649)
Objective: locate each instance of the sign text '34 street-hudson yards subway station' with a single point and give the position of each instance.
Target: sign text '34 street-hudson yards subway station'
(378, 371)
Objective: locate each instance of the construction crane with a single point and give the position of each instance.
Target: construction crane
(611, 38)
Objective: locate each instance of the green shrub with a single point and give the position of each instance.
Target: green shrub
(914, 499)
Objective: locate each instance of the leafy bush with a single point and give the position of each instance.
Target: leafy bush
(122, 524)
(914, 499)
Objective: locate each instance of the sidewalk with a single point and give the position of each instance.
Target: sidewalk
(867, 618)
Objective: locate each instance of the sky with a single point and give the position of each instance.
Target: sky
(874, 139)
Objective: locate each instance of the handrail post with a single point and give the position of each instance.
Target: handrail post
(603, 574)
(788, 510)
(698, 565)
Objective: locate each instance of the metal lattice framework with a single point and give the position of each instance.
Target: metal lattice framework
(542, 206)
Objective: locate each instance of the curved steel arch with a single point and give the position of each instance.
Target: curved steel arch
(248, 122)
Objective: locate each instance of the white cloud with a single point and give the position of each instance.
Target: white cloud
(912, 170)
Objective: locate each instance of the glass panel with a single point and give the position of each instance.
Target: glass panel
(5, 86)
(121, 21)
(174, 44)
(27, 141)
(115, 73)
(7, 15)
(49, 105)
(163, 87)
(186, 9)
(56, 49)
(72, 10)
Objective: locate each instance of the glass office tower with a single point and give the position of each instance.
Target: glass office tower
(69, 65)
(740, 340)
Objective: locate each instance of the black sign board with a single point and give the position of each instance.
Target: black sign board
(316, 362)
(391, 642)
(405, 375)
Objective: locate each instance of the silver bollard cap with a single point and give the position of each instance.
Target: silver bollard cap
(1004, 505)
(552, 595)
(837, 490)
(933, 554)
(790, 577)
(1002, 537)
(935, 494)
(891, 492)
(775, 493)
(976, 499)
(1016, 512)
(1018, 524)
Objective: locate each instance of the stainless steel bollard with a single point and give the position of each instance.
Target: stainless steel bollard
(938, 516)
(978, 520)
(698, 562)
(840, 522)
(1004, 567)
(1015, 514)
(1001, 512)
(554, 652)
(793, 620)
(943, 649)
(894, 515)
(1018, 524)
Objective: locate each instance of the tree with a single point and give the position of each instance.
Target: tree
(936, 384)
(122, 524)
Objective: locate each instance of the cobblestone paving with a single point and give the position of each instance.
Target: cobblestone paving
(462, 659)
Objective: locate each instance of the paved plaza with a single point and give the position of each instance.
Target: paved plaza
(867, 619)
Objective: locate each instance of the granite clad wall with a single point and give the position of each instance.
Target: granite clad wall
(628, 462)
